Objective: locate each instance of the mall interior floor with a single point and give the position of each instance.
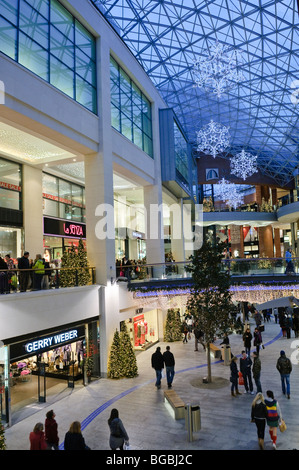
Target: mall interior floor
(225, 420)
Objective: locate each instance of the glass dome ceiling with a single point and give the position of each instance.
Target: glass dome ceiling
(167, 37)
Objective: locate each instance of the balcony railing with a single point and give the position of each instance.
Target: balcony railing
(22, 280)
(236, 267)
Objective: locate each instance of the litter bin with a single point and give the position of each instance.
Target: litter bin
(192, 419)
(226, 354)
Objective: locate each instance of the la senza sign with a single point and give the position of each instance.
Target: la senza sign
(64, 228)
(51, 341)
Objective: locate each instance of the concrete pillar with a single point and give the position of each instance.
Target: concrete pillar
(33, 210)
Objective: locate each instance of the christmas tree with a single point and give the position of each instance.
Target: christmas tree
(173, 326)
(75, 259)
(115, 363)
(2, 438)
(128, 358)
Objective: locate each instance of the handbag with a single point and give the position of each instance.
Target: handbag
(282, 426)
(241, 379)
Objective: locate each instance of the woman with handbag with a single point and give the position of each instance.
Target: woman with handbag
(259, 415)
(274, 416)
(118, 434)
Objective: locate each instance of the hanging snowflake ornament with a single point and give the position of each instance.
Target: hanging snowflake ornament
(218, 69)
(213, 138)
(229, 193)
(243, 164)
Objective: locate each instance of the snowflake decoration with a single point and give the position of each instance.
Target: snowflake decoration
(217, 70)
(243, 164)
(228, 192)
(213, 138)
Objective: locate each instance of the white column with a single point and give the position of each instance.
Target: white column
(33, 210)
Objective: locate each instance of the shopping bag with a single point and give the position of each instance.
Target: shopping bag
(282, 426)
(241, 379)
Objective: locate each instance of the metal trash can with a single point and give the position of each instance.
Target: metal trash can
(192, 418)
(226, 354)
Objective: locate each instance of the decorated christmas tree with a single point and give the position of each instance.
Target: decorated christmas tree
(128, 357)
(115, 363)
(77, 259)
(83, 265)
(173, 326)
(2, 438)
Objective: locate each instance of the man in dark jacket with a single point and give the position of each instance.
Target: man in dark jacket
(23, 263)
(245, 369)
(256, 371)
(158, 365)
(284, 367)
(169, 362)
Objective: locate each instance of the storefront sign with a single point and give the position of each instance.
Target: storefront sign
(51, 341)
(64, 228)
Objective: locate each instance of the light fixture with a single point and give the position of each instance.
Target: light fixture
(213, 138)
(243, 164)
(218, 69)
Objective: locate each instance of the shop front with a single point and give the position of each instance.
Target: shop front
(33, 368)
(143, 328)
(60, 235)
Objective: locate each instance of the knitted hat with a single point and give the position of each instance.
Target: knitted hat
(282, 353)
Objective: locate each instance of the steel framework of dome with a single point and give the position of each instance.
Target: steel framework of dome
(167, 37)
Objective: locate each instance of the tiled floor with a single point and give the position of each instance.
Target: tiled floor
(225, 420)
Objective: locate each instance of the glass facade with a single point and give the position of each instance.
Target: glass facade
(181, 156)
(130, 109)
(45, 38)
(10, 185)
(63, 199)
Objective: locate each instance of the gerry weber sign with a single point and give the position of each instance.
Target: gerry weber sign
(64, 228)
(51, 341)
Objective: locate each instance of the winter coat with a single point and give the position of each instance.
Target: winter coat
(74, 441)
(168, 358)
(259, 411)
(256, 368)
(51, 431)
(118, 434)
(157, 361)
(245, 365)
(257, 338)
(234, 370)
(247, 338)
(284, 365)
(37, 441)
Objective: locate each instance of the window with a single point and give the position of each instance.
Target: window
(44, 37)
(130, 109)
(63, 199)
(10, 185)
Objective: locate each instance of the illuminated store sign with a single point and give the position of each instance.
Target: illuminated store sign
(51, 341)
(64, 228)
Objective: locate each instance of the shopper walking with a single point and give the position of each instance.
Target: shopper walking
(118, 434)
(234, 376)
(247, 338)
(284, 367)
(37, 438)
(274, 415)
(245, 369)
(74, 439)
(256, 371)
(51, 431)
(259, 415)
(169, 362)
(185, 331)
(257, 339)
(198, 337)
(158, 365)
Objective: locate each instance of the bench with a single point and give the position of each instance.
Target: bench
(215, 351)
(176, 403)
